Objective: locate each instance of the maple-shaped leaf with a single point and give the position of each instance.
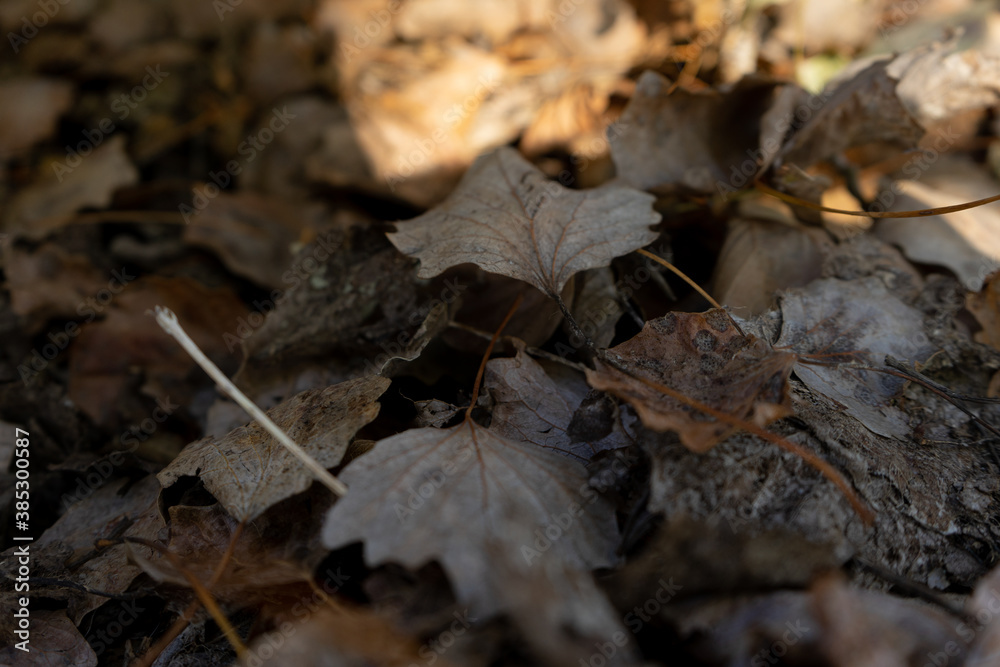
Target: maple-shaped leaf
(506, 217)
(532, 406)
(450, 495)
(248, 471)
(705, 358)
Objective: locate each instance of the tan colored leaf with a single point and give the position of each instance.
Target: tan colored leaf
(966, 242)
(985, 306)
(532, 407)
(760, 257)
(32, 108)
(507, 218)
(703, 357)
(248, 471)
(447, 495)
(51, 201)
(856, 320)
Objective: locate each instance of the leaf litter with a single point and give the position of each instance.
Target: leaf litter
(641, 481)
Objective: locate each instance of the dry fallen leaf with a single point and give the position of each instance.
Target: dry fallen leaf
(413, 491)
(247, 471)
(507, 218)
(54, 642)
(837, 321)
(51, 201)
(699, 141)
(985, 306)
(966, 242)
(706, 359)
(30, 111)
(761, 257)
(859, 107)
(532, 407)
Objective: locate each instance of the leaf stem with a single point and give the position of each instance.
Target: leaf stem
(168, 320)
(489, 351)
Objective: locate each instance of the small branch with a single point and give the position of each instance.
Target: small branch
(166, 319)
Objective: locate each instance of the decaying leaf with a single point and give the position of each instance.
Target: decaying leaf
(50, 202)
(761, 257)
(985, 305)
(248, 472)
(859, 107)
(507, 218)
(706, 359)
(110, 512)
(532, 407)
(839, 321)
(54, 641)
(966, 242)
(698, 141)
(413, 489)
(33, 106)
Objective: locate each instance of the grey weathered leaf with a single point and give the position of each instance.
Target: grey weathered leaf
(857, 320)
(449, 495)
(248, 471)
(508, 218)
(533, 407)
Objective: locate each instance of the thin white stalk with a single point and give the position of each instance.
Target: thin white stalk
(168, 320)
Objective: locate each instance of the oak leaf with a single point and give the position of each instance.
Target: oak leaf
(506, 217)
(703, 357)
(450, 495)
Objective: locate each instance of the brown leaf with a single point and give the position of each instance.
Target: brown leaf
(696, 141)
(54, 642)
(859, 107)
(446, 494)
(533, 407)
(251, 234)
(247, 471)
(507, 218)
(761, 257)
(30, 111)
(67, 549)
(703, 357)
(50, 202)
(111, 357)
(985, 306)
